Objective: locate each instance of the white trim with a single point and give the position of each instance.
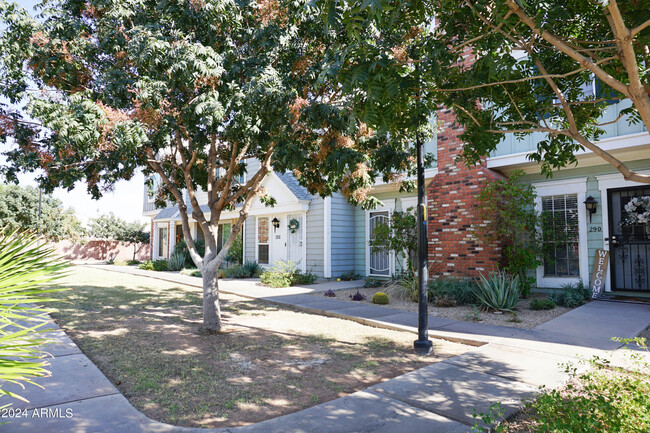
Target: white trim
(327, 237)
(304, 241)
(257, 244)
(243, 242)
(388, 205)
(408, 202)
(607, 144)
(379, 185)
(559, 187)
(606, 182)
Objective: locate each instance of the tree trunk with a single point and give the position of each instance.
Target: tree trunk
(211, 310)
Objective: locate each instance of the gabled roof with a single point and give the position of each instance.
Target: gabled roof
(291, 182)
(166, 213)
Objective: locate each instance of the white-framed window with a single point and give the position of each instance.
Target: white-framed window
(563, 201)
(153, 191)
(561, 237)
(263, 236)
(163, 241)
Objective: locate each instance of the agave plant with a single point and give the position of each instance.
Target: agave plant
(498, 291)
(27, 271)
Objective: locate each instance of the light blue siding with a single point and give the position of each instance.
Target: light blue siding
(594, 239)
(343, 232)
(315, 238)
(511, 144)
(249, 239)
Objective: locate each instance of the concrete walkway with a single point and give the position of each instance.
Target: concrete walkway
(438, 398)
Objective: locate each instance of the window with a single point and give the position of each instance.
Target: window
(263, 240)
(560, 236)
(153, 190)
(222, 235)
(162, 242)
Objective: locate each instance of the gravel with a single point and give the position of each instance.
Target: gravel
(525, 317)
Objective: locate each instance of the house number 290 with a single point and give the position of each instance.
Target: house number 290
(596, 229)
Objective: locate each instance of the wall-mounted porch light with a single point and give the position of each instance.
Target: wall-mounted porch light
(276, 223)
(591, 204)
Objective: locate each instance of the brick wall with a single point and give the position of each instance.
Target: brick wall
(455, 249)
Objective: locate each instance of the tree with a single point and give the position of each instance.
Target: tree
(19, 211)
(189, 91)
(510, 67)
(115, 228)
(107, 226)
(135, 235)
(551, 67)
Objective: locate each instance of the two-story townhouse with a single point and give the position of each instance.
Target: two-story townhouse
(565, 194)
(324, 235)
(329, 237)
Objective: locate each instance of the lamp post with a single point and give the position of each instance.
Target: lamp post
(422, 346)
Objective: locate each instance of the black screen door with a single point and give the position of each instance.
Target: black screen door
(629, 243)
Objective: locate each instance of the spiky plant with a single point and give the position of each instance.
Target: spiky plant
(27, 271)
(498, 291)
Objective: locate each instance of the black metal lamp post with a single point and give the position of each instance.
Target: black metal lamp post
(422, 346)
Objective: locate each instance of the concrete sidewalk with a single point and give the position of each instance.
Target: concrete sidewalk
(438, 398)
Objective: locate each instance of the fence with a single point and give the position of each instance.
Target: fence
(100, 251)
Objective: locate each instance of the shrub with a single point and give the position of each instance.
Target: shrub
(372, 283)
(280, 275)
(250, 269)
(151, 265)
(603, 399)
(146, 265)
(542, 304)
(181, 248)
(498, 291)
(572, 295)
(379, 298)
(192, 272)
(285, 274)
(330, 293)
(406, 285)
(350, 276)
(306, 278)
(357, 296)
(445, 301)
(176, 262)
(133, 262)
(461, 290)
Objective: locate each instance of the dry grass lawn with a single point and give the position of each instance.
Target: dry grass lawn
(142, 333)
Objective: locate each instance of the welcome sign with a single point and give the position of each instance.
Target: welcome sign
(599, 274)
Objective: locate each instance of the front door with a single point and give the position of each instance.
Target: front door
(278, 238)
(294, 239)
(629, 241)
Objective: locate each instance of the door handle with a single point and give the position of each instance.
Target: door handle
(612, 240)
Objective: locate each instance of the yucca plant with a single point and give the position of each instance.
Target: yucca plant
(27, 271)
(498, 291)
(176, 262)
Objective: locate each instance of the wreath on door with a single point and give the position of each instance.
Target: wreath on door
(294, 225)
(638, 210)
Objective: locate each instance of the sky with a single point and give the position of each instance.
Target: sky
(125, 201)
